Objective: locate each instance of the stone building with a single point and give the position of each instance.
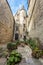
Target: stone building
(20, 23)
(6, 22)
(35, 19)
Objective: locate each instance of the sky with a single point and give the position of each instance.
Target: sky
(16, 4)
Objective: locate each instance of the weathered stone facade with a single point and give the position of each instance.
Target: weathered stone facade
(35, 19)
(20, 22)
(6, 22)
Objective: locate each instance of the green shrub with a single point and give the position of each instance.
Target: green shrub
(14, 58)
(26, 42)
(11, 46)
(37, 53)
(17, 42)
(33, 43)
(1, 49)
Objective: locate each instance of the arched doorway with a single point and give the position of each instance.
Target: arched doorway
(16, 36)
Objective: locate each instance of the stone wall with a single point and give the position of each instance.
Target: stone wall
(35, 19)
(6, 22)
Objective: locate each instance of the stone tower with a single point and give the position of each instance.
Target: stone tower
(35, 19)
(6, 22)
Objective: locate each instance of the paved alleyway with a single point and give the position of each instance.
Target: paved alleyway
(2, 61)
(27, 58)
(26, 55)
